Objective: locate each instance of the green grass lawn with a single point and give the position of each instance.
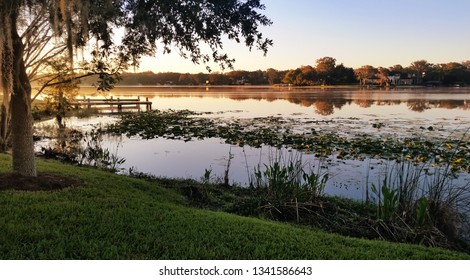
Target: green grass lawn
(116, 217)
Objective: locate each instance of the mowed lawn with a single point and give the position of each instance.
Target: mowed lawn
(108, 216)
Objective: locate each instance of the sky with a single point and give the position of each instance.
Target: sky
(354, 32)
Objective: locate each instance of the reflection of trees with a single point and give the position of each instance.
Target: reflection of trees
(418, 105)
(364, 103)
(297, 100)
(324, 104)
(452, 104)
(324, 101)
(389, 102)
(324, 108)
(422, 105)
(466, 105)
(307, 102)
(340, 102)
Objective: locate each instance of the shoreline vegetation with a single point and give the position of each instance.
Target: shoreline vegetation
(282, 193)
(416, 201)
(401, 211)
(326, 72)
(275, 86)
(52, 210)
(108, 216)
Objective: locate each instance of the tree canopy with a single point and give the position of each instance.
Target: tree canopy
(189, 26)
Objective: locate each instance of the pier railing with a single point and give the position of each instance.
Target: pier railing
(113, 103)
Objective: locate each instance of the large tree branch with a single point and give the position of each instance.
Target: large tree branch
(40, 62)
(50, 82)
(41, 36)
(35, 50)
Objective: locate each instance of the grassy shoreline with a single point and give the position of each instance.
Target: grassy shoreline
(110, 216)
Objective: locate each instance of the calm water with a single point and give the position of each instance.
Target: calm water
(403, 112)
(428, 103)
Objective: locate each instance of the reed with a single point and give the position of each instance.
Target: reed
(423, 201)
(83, 148)
(287, 184)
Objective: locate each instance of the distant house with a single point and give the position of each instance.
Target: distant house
(394, 79)
(433, 83)
(242, 82)
(397, 80)
(406, 81)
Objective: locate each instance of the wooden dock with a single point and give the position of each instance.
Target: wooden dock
(113, 104)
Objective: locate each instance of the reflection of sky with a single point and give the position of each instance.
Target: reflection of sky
(315, 103)
(179, 159)
(351, 113)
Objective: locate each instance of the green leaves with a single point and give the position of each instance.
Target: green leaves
(315, 182)
(282, 132)
(285, 182)
(387, 204)
(187, 25)
(421, 210)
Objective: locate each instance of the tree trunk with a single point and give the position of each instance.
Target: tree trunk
(4, 114)
(21, 116)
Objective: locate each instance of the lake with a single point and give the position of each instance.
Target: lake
(434, 113)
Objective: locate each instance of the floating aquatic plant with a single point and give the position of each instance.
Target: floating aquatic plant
(306, 136)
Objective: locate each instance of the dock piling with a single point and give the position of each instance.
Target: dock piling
(112, 102)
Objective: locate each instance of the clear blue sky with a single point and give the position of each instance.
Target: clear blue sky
(355, 32)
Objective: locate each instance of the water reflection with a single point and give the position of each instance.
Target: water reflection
(401, 113)
(325, 105)
(189, 159)
(324, 102)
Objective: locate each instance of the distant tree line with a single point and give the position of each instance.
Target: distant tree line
(325, 72)
(419, 72)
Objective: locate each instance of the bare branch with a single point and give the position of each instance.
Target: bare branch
(40, 15)
(37, 63)
(35, 50)
(50, 82)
